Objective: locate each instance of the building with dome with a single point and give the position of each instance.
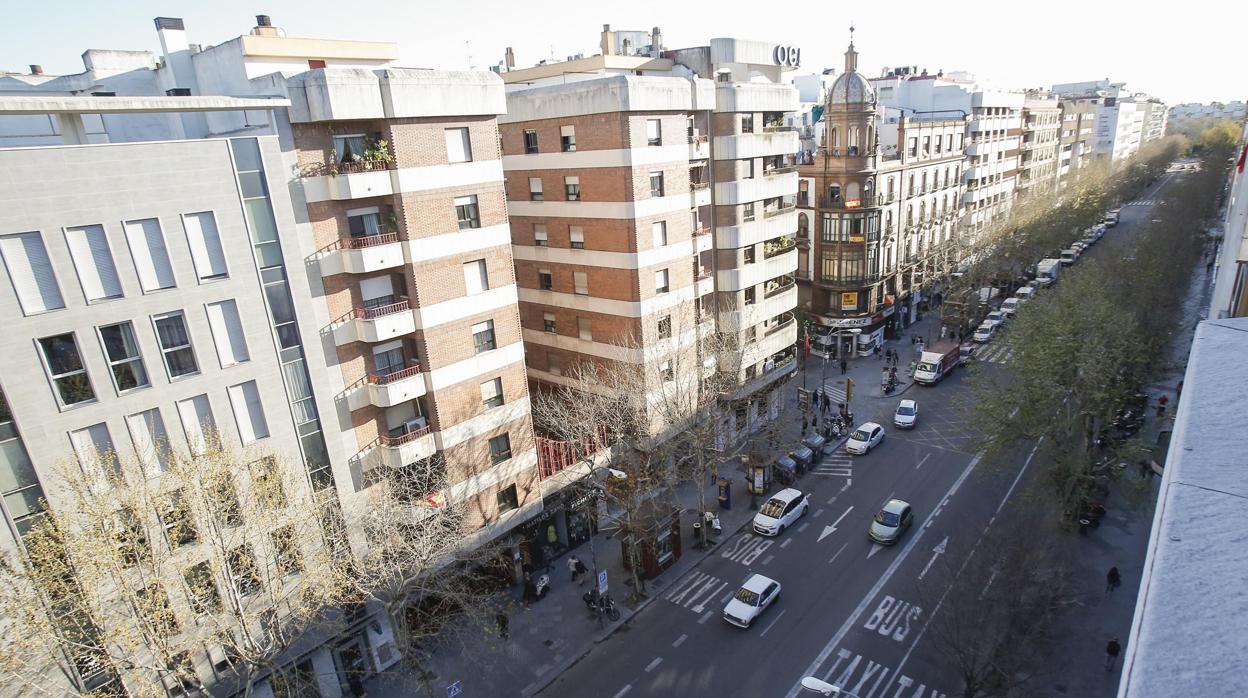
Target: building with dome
(879, 197)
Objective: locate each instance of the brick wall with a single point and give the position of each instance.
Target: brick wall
(607, 234)
(597, 184)
(593, 132)
(462, 401)
(603, 282)
(422, 142)
(472, 457)
(442, 279)
(452, 342)
(610, 329)
(428, 213)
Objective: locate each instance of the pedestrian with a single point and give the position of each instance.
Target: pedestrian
(818, 397)
(892, 373)
(1209, 266)
(530, 589)
(805, 425)
(944, 331)
(827, 404)
(1161, 405)
(572, 561)
(581, 571)
(912, 367)
(877, 353)
(503, 625)
(1112, 580)
(895, 359)
(1111, 654)
(814, 420)
(844, 366)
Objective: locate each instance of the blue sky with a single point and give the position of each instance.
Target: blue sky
(1179, 53)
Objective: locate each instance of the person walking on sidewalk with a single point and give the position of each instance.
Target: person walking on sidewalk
(1161, 405)
(1113, 580)
(581, 572)
(912, 367)
(1111, 654)
(878, 354)
(826, 404)
(844, 366)
(572, 563)
(818, 397)
(805, 425)
(504, 624)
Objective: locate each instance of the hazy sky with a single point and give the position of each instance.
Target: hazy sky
(1180, 52)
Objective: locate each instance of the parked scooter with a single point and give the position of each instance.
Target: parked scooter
(603, 604)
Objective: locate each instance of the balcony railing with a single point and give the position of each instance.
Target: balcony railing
(359, 243)
(777, 211)
(381, 310)
(783, 169)
(840, 202)
(361, 166)
(779, 129)
(701, 230)
(784, 284)
(394, 376)
(396, 441)
(775, 249)
(701, 274)
(697, 186)
(786, 320)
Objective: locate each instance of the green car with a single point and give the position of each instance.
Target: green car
(891, 522)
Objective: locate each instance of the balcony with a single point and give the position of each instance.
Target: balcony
(363, 255)
(779, 210)
(376, 324)
(744, 191)
(774, 341)
(739, 278)
(781, 298)
(360, 179)
(755, 97)
(784, 323)
(762, 228)
(779, 246)
(779, 128)
(399, 451)
(701, 239)
(389, 389)
(755, 145)
(783, 169)
(841, 203)
(699, 147)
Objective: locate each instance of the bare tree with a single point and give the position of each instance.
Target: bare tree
(171, 567)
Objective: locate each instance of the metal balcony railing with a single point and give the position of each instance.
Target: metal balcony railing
(787, 319)
(786, 282)
(359, 243)
(394, 376)
(363, 166)
(381, 310)
(777, 211)
(396, 441)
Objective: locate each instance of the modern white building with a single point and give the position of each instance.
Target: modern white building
(1124, 120)
(1233, 111)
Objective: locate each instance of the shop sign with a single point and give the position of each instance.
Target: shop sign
(858, 238)
(848, 321)
(849, 300)
(853, 203)
(790, 56)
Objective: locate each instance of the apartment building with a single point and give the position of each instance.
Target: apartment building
(1187, 112)
(994, 134)
(329, 279)
(1124, 120)
(882, 192)
(1078, 121)
(1038, 160)
(652, 197)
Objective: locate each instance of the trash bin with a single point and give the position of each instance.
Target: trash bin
(725, 493)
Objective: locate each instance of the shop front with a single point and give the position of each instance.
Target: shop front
(839, 335)
(567, 520)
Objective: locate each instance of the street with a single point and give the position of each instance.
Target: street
(848, 611)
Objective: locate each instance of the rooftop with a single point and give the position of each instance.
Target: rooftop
(74, 104)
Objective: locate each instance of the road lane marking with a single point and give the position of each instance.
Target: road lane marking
(786, 542)
(819, 512)
(701, 606)
(768, 559)
(843, 546)
(653, 663)
(772, 623)
(680, 641)
(829, 530)
(920, 465)
(705, 617)
(624, 691)
(852, 621)
(803, 527)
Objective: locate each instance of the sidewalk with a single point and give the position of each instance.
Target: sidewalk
(1075, 664)
(554, 633)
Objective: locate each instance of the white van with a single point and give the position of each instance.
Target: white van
(1069, 256)
(1025, 294)
(1010, 306)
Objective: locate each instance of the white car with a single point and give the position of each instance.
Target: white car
(1010, 306)
(984, 332)
(751, 600)
(965, 353)
(907, 414)
(781, 511)
(864, 438)
(997, 318)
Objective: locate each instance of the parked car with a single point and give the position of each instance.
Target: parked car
(997, 318)
(1025, 293)
(907, 414)
(784, 508)
(890, 522)
(965, 353)
(751, 600)
(984, 332)
(865, 437)
(1010, 306)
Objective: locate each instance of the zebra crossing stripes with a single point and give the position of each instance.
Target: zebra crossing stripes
(694, 592)
(995, 353)
(839, 464)
(1145, 202)
(832, 391)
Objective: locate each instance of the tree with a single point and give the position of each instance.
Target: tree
(146, 563)
(990, 615)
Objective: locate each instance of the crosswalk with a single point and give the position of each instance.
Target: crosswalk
(995, 353)
(696, 591)
(839, 464)
(832, 390)
(1143, 202)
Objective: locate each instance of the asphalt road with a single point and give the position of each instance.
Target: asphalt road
(849, 609)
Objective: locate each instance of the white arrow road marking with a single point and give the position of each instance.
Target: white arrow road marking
(829, 530)
(936, 552)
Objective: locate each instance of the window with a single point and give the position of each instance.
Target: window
(205, 242)
(202, 589)
(476, 277)
(123, 356)
(540, 238)
(665, 327)
(227, 333)
(178, 521)
(151, 442)
(507, 499)
(242, 568)
(88, 246)
(661, 281)
(584, 328)
(222, 502)
(748, 212)
(362, 223)
(152, 604)
(530, 141)
(466, 212)
(659, 230)
(580, 283)
(266, 483)
(939, 142)
(492, 393)
(175, 344)
(544, 280)
(654, 132)
(535, 189)
(94, 448)
(553, 365)
(150, 255)
(912, 146)
(665, 370)
(248, 412)
(567, 138)
(750, 296)
(747, 169)
(576, 237)
(69, 376)
(748, 254)
(927, 146)
(656, 184)
(548, 322)
(458, 145)
(30, 270)
(572, 188)
(198, 422)
(747, 123)
(500, 448)
(287, 557)
(483, 336)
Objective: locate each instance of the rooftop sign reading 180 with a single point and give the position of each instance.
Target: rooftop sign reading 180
(788, 56)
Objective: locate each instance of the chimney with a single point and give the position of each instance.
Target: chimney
(264, 27)
(509, 58)
(656, 41)
(263, 21)
(172, 33)
(607, 41)
(36, 69)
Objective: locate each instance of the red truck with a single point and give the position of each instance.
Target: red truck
(934, 363)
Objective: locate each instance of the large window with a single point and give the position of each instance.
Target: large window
(123, 356)
(69, 375)
(545, 280)
(535, 189)
(175, 344)
(197, 421)
(659, 230)
(540, 237)
(656, 184)
(661, 282)
(248, 412)
(549, 323)
(500, 448)
(580, 283)
(205, 242)
(572, 188)
(492, 393)
(476, 277)
(93, 260)
(94, 448)
(151, 441)
(507, 499)
(458, 145)
(654, 132)
(227, 333)
(576, 237)
(30, 270)
(483, 336)
(530, 141)
(150, 254)
(466, 212)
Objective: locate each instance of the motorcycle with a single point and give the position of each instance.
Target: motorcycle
(890, 386)
(601, 604)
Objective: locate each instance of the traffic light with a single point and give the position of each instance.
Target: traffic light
(849, 389)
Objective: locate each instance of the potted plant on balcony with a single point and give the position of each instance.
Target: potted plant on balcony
(377, 154)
